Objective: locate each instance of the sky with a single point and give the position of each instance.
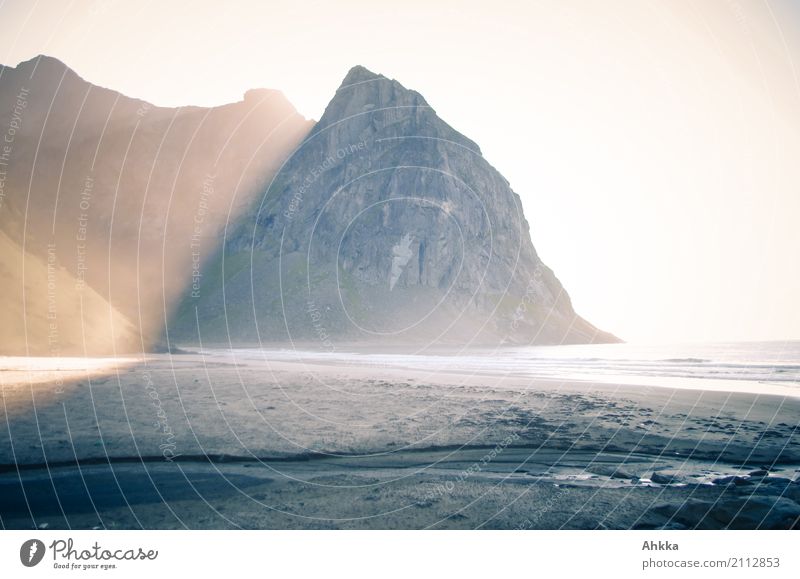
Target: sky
(654, 143)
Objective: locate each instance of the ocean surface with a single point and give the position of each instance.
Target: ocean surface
(757, 367)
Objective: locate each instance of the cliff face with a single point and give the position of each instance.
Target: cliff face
(123, 201)
(385, 224)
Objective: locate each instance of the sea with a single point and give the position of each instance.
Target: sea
(754, 367)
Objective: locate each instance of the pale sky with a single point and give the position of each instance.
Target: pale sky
(654, 143)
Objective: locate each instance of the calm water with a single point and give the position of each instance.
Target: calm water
(761, 367)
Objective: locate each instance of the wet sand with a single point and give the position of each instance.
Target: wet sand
(187, 441)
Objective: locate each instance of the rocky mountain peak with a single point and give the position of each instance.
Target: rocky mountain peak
(359, 74)
(385, 224)
(258, 94)
(43, 61)
(369, 106)
(40, 70)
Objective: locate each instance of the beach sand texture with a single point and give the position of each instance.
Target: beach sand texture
(216, 442)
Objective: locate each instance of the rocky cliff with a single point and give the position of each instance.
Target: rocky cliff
(385, 225)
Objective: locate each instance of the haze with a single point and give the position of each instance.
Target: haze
(654, 143)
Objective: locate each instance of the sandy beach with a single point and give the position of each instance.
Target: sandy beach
(207, 441)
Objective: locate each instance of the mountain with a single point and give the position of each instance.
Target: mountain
(119, 202)
(385, 225)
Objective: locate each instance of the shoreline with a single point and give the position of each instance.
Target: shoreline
(45, 370)
(400, 439)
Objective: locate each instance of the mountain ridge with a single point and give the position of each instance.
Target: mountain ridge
(114, 184)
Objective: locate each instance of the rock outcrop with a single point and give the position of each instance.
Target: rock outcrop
(385, 225)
